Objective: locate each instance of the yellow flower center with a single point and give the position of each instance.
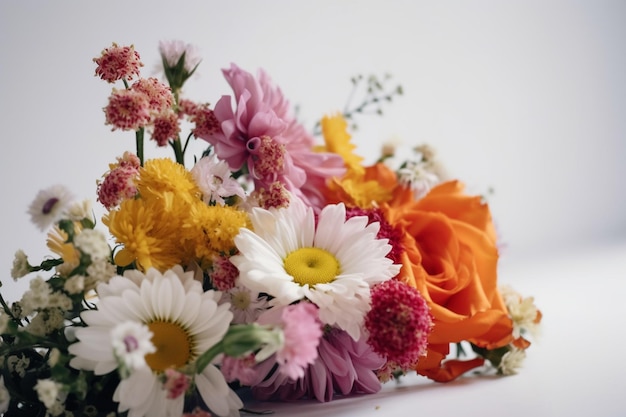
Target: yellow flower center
(173, 346)
(312, 266)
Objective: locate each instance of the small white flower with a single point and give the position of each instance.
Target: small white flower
(49, 206)
(48, 391)
(512, 361)
(131, 341)
(5, 397)
(18, 364)
(21, 267)
(245, 304)
(36, 297)
(93, 243)
(54, 356)
(80, 210)
(522, 310)
(213, 178)
(419, 177)
(99, 271)
(75, 284)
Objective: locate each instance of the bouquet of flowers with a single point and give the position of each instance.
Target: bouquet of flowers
(277, 262)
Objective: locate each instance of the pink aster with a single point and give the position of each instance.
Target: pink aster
(398, 323)
(302, 331)
(343, 367)
(263, 114)
(127, 110)
(165, 127)
(159, 95)
(118, 62)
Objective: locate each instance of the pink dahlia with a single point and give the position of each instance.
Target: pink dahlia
(343, 367)
(398, 323)
(262, 134)
(127, 110)
(118, 62)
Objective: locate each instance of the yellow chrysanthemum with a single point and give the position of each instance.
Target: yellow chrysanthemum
(147, 235)
(210, 230)
(337, 139)
(166, 179)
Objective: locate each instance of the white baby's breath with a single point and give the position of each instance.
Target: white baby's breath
(21, 267)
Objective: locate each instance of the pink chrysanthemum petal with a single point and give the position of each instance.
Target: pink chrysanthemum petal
(127, 110)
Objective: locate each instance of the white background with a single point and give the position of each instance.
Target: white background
(525, 97)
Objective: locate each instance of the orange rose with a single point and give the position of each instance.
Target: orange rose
(451, 258)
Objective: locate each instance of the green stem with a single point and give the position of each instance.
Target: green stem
(139, 141)
(178, 151)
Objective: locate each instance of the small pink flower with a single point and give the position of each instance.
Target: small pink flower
(206, 124)
(127, 110)
(118, 62)
(302, 330)
(276, 196)
(398, 323)
(159, 95)
(223, 273)
(118, 185)
(165, 127)
(176, 383)
(240, 369)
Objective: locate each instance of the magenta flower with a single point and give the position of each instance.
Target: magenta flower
(399, 324)
(261, 134)
(118, 62)
(343, 367)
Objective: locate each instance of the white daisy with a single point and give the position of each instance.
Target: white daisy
(49, 206)
(333, 264)
(185, 322)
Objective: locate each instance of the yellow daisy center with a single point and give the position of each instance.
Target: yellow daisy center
(173, 346)
(312, 266)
